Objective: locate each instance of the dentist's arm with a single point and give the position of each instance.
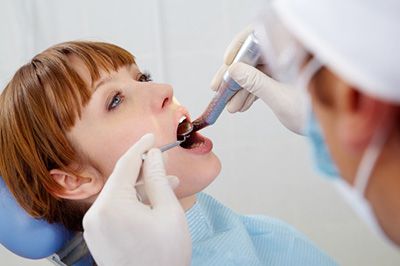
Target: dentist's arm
(287, 103)
(121, 230)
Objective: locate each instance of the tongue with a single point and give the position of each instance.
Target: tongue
(197, 144)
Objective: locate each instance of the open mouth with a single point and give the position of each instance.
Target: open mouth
(193, 140)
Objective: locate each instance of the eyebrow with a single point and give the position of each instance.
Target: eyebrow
(102, 82)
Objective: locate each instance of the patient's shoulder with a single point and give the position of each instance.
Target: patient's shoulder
(255, 224)
(273, 241)
(264, 224)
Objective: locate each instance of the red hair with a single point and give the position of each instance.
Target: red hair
(38, 107)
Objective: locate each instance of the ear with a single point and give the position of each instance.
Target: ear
(77, 187)
(359, 116)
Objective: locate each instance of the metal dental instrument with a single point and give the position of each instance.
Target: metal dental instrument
(249, 53)
(171, 145)
(167, 146)
(184, 129)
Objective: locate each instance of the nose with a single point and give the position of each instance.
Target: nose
(161, 98)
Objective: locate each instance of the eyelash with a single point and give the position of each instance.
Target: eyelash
(143, 77)
(117, 95)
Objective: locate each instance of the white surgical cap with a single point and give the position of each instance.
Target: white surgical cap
(357, 39)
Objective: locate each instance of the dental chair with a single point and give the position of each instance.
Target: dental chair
(36, 239)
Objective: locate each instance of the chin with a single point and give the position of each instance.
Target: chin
(196, 175)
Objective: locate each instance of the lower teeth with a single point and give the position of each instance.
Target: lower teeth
(196, 144)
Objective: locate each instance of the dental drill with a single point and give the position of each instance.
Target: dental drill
(249, 53)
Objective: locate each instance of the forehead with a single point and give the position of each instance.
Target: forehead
(104, 74)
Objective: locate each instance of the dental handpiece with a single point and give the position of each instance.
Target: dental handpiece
(249, 53)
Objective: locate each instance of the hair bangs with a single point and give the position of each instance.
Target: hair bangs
(69, 93)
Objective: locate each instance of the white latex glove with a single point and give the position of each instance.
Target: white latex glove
(121, 230)
(287, 103)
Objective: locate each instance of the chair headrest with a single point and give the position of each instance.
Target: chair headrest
(26, 236)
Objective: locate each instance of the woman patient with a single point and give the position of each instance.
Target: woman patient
(69, 114)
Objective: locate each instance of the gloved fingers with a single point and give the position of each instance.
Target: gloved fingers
(249, 101)
(236, 102)
(173, 182)
(250, 78)
(158, 189)
(241, 101)
(235, 45)
(217, 79)
(230, 54)
(127, 168)
(260, 84)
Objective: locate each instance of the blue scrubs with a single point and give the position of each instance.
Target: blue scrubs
(222, 237)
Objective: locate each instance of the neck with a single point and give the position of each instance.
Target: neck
(383, 191)
(187, 202)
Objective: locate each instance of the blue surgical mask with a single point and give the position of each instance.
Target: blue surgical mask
(321, 157)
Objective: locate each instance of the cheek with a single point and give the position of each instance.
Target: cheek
(327, 120)
(195, 172)
(112, 142)
(324, 115)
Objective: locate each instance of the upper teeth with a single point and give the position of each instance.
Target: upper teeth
(182, 119)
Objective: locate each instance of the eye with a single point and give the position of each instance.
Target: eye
(115, 101)
(144, 77)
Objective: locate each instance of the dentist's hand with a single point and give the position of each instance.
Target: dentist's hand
(287, 103)
(121, 230)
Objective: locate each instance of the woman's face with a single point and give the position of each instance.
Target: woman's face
(125, 106)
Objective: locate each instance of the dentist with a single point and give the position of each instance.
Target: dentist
(345, 54)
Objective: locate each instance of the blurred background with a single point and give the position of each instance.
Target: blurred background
(266, 169)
